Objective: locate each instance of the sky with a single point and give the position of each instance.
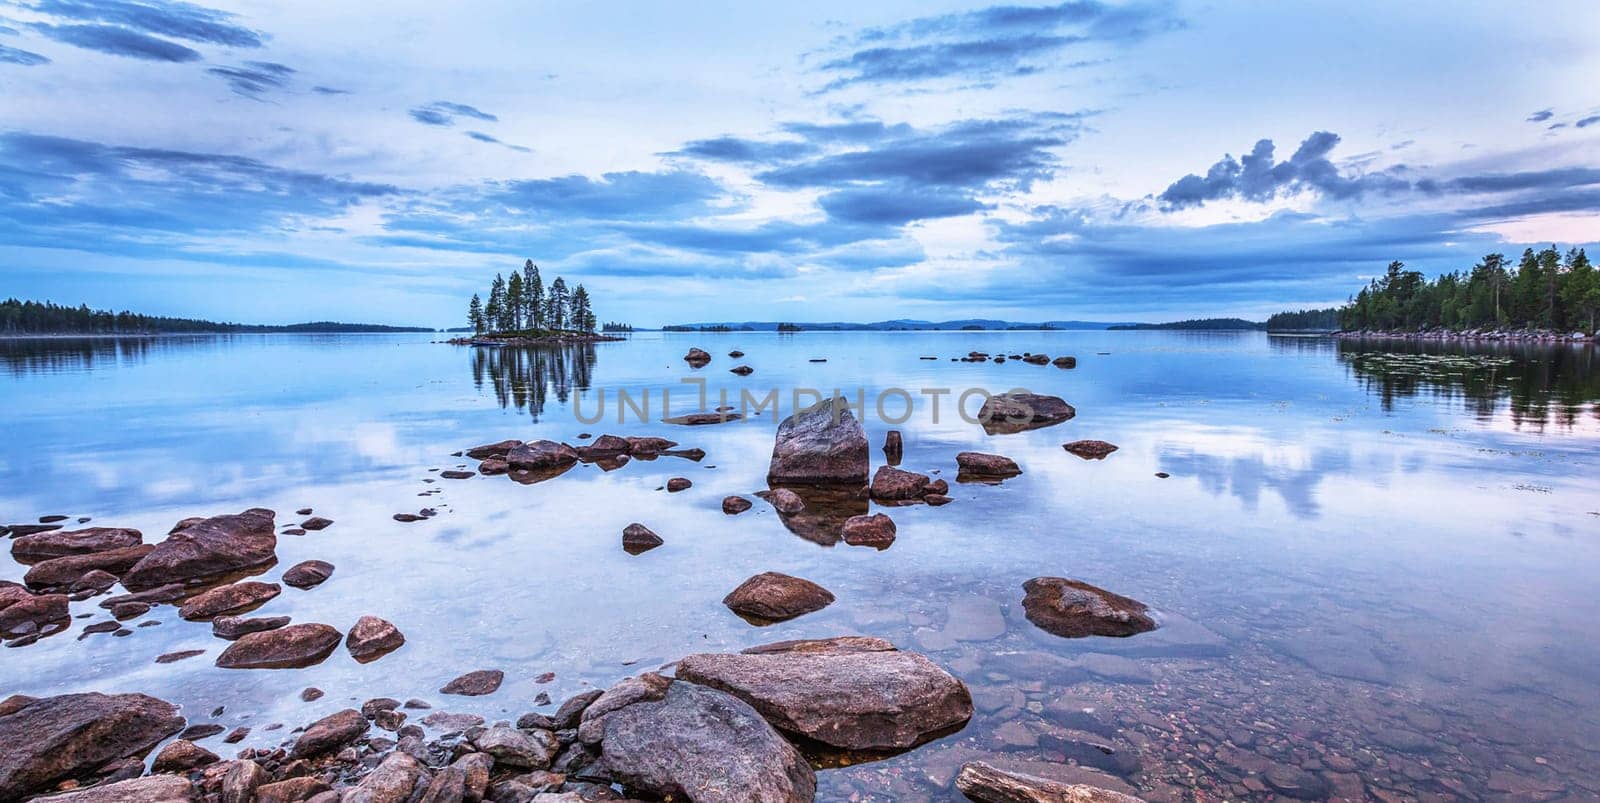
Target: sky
(272, 162)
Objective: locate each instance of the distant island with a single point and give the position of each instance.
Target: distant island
(1198, 324)
(1546, 291)
(22, 318)
(521, 311)
(899, 325)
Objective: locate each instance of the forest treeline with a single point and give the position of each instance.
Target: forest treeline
(522, 304)
(45, 318)
(1545, 289)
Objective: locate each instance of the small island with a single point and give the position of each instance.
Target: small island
(520, 311)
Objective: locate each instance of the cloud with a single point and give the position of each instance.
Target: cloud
(175, 19)
(328, 90)
(1257, 176)
(1541, 115)
(444, 113)
(734, 149)
(12, 55)
(482, 137)
(255, 77)
(1588, 121)
(896, 205)
(119, 42)
(992, 42)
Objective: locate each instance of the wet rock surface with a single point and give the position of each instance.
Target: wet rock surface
(308, 574)
(1010, 413)
(1074, 609)
(984, 467)
(734, 505)
(60, 543)
(476, 683)
(1090, 449)
(232, 627)
(984, 783)
(876, 530)
(53, 738)
(207, 548)
(63, 572)
(821, 444)
(286, 647)
(776, 597)
(372, 638)
(228, 600)
(637, 538)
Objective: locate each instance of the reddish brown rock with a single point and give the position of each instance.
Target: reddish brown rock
(893, 447)
(605, 446)
(1074, 609)
(981, 467)
(494, 466)
(853, 693)
(697, 357)
(891, 484)
(456, 474)
(293, 790)
(646, 446)
(637, 538)
(784, 500)
(1065, 362)
(702, 419)
(182, 755)
(876, 530)
(677, 484)
(541, 456)
(60, 543)
(284, 648)
(64, 571)
(1090, 449)
(823, 444)
(308, 574)
(228, 600)
(734, 505)
(316, 523)
(33, 614)
(475, 684)
(372, 638)
(985, 783)
(330, 733)
(73, 735)
(493, 450)
(230, 628)
(207, 548)
(773, 597)
(150, 789)
(742, 370)
(1010, 413)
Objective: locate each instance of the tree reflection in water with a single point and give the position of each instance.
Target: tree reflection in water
(524, 377)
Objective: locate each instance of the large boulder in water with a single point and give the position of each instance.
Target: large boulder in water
(288, 647)
(47, 545)
(64, 571)
(1019, 412)
(1074, 609)
(775, 597)
(24, 614)
(853, 692)
(821, 445)
(688, 742)
(541, 456)
(208, 548)
(892, 484)
(231, 599)
(73, 735)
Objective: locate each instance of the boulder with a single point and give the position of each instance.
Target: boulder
(230, 628)
(316, 523)
(734, 505)
(493, 450)
(73, 735)
(822, 444)
(985, 783)
(646, 446)
(372, 638)
(231, 599)
(330, 734)
(1010, 413)
(475, 684)
(393, 781)
(207, 548)
(1074, 609)
(981, 467)
(151, 789)
(1036, 359)
(637, 538)
(541, 456)
(702, 419)
(784, 500)
(33, 614)
(287, 647)
(891, 484)
(293, 790)
(742, 370)
(62, 572)
(59, 543)
(876, 530)
(697, 357)
(1065, 362)
(773, 597)
(853, 692)
(182, 755)
(605, 446)
(1090, 449)
(308, 574)
(533, 750)
(677, 484)
(689, 742)
(241, 779)
(893, 447)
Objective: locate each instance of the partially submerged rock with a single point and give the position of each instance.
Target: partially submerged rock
(893, 447)
(637, 538)
(677, 484)
(74, 735)
(541, 456)
(774, 597)
(891, 484)
(150, 789)
(876, 530)
(495, 450)
(985, 783)
(684, 741)
(27, 615)
(1010, 413)
(230, 628)
(287, 647)
(331, 733)
(702, 419)
(1065, 362)
(982, 467)
(852, 693)
(734, 505)
(822, 444)
(475, 683)
(697, 357)
(1090, 449)
(1074, 609)
(372, 638)
(308, 574)
(64, 571)
(231, 599)
(316, 523)
(47, 545)
(207, 548)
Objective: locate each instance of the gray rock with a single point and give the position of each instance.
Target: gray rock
(151, 789)
(510, 747)
(72, 735)
(822, 444)
(985, 783)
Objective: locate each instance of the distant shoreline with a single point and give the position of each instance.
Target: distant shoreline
(154, 335)
(1472, 335)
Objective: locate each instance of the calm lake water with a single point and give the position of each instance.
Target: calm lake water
(1376, 564)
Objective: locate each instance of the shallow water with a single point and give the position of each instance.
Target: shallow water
(1375, 563)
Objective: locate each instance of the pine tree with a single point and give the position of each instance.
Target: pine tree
(514, 300)
(494, 310)
(581, 316)
(533, 289)
(475, 314)
(556, 304)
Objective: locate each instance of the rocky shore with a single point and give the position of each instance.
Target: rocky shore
(547, 339)
(1472, 335)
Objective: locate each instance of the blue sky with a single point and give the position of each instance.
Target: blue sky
(1145, 160)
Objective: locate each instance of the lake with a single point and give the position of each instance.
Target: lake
(1375, 564)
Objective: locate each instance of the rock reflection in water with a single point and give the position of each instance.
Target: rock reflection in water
(826, 510)
(525, 377)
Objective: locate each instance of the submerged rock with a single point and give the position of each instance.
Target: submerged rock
(817, 513)
(981, 467)
(853, 692)
(74, 735)
(685, 741)
(734, 505)
(1074, 609)
(1090, 449)
(288, 647)
(47, 545)
(985, 783)
(637, 538)
(876, 530)
(774, 597)
(234, 598)
(1009, 413)
(207, 548)
(308, 574)
(372, 638)
(496, 450)
(822, 444)
(702, 419)
(475, 684)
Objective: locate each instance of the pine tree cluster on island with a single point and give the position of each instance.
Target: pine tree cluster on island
(522, 305)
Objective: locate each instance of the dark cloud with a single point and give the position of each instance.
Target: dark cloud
(443, 113)
(896, 205)
(175, 19)
(1258, 176)
(1541, 115)
(991, 42)
(328, 90)
(255, 77)
(1588, 121)
(482, 137)
(119, 41)
(12, 55)
(1558, 178)
(613, 196)
(745, 151)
